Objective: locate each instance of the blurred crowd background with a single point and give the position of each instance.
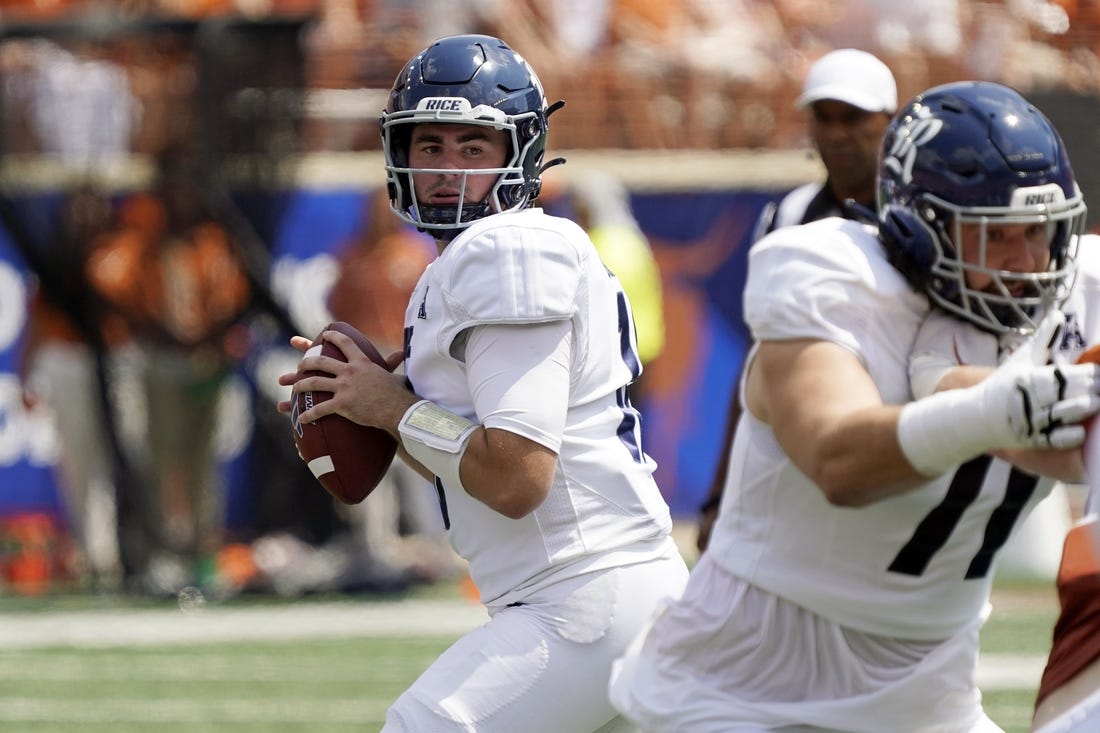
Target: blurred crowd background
(640, 74)
(185, 184)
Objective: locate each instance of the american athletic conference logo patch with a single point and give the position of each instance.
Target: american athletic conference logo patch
(294, 412)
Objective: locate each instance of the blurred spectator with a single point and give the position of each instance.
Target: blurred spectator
(1024, 43)
(662, 73)
(78, 103)
(676, 64)
(580, 25)
(601, 205)
(61, 365)
(173, 274)
(884, 26)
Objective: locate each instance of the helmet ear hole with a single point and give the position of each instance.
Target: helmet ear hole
(910, 244)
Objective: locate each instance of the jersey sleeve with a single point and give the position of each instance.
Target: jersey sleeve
(820, 281)
(944, 342)
(513, 274)
(519, 379)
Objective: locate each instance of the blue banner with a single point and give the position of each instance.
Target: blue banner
(699, 240)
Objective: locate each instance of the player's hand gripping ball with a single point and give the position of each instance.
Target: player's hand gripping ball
(348, 459)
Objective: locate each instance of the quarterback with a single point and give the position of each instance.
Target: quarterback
(519, 348)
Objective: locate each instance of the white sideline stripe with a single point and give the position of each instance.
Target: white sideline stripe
(178, 663)
(342, 619)
(1010, 671)
(151, 627)
(115, 710)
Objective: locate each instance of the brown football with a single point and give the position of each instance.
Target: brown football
(347, 458)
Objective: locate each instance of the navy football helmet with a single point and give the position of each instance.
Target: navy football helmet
(977, 153)
(473, 80)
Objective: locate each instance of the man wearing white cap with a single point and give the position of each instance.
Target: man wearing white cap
(850, 96)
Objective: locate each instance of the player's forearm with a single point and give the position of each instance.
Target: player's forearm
(506, 472)
(859, 461)
(1061, 465)
(414, 464)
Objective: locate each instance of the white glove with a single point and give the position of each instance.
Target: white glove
(1045, 406)
(1017, 406)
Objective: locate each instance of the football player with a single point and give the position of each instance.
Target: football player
(519, 348)
(850, 567)
(850, 96)
(1068, 700)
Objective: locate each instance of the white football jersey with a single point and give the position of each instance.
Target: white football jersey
(918, 565)
(604, 508)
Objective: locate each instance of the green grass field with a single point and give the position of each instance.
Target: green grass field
(1020, 625)
(318, 685)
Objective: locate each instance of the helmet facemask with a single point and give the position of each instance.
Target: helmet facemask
(511, 191)
(960, 159)
(1012, 302)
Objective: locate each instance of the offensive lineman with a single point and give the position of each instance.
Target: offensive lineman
(851, 563)
(519, 349)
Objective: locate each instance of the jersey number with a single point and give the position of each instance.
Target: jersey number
(936, 528)
(629, 430)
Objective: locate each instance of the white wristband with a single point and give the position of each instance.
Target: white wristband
(942, 431)
(436, 438)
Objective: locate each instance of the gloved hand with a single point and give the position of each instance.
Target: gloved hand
(1019, 405)
(1045, 406)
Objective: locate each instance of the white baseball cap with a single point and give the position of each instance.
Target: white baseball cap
(853, 77)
